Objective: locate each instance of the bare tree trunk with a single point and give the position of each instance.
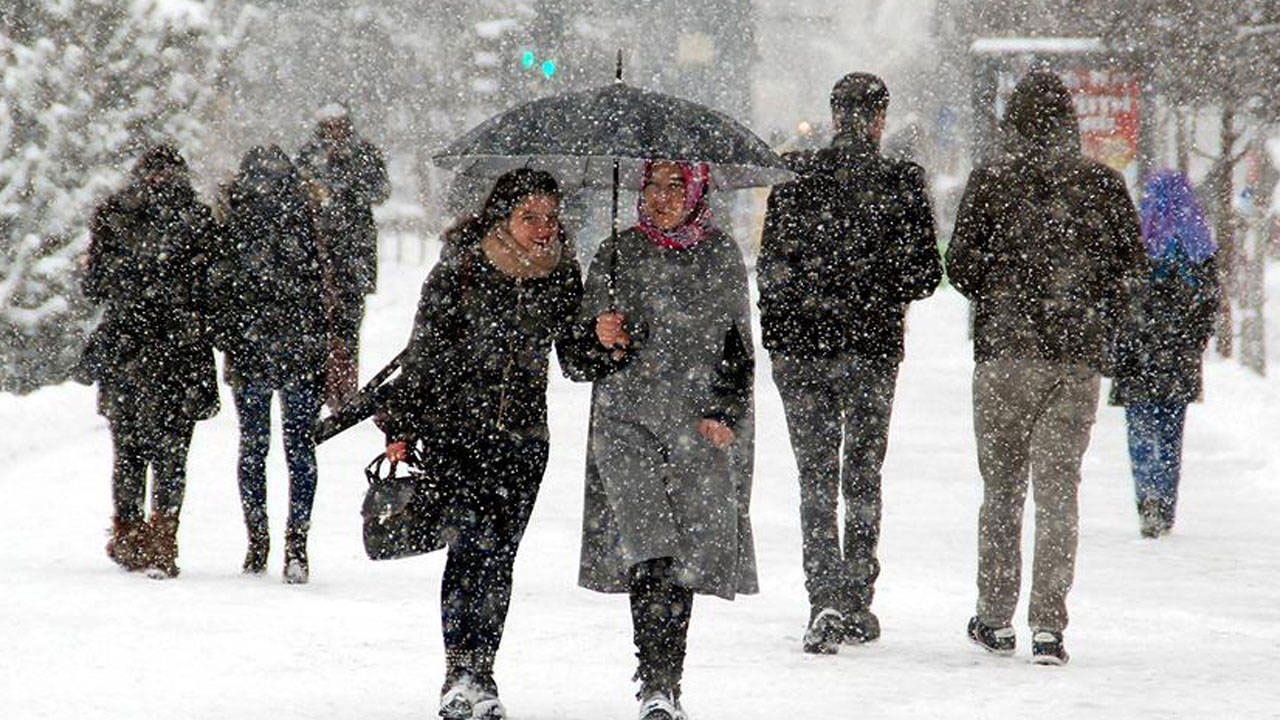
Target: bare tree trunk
(1181, 141)
(1225, 231)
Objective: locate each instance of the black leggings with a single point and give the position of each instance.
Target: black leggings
(660, 610)
(501, 478)
(139, 443)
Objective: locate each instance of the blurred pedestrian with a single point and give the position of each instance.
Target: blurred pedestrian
(151, 355)
(273, 327)
(345, 177)
(1047, 248)
(1160, 349)
(668, 484)
(471, 405)
(846, 247)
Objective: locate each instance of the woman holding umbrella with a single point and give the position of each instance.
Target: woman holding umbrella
(470, 405)
(669, 456)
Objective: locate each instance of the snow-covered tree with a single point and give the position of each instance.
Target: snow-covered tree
(87, 84)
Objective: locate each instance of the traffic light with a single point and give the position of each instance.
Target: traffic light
(529, 62)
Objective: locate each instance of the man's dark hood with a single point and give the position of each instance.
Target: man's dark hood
(1041, 119)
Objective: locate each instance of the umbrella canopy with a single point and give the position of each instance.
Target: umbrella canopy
(578, 136)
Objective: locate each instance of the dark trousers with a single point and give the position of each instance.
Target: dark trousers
(1155, 448)
(501, 477)
(660, 611)
(141, 442)
(300, 406)
(829, 402)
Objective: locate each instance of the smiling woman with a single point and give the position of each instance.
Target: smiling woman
(669, 459)
(471, 403)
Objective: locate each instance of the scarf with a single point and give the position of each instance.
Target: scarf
(697, 222)
(516, 262)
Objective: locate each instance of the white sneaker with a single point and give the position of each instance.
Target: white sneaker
(459, 701)
(658, 705)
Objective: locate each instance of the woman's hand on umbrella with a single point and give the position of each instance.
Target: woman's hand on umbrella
(610, 332)
(716, 433)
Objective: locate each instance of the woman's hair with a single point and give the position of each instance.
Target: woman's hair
(157, 158)
(509, 190)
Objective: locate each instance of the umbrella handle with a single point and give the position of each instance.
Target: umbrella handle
(617, 73)
(613, 244)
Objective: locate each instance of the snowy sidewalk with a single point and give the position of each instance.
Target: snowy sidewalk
(1187, 626)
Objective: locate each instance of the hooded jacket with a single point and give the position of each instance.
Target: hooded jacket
(152, 353)
(1046, 243)
(268, 280)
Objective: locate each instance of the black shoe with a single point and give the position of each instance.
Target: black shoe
(297, 570)
(825, 632)
(255, 560)
(1149, 522)
(1047, 648)
(999, 641)
(861, 627)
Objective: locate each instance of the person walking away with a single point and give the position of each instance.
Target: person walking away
(273, 327)
(471, 400)
(345, 177)
(1047, 248)
(1159, 356)
(151, 354)
(846, 248)
(669, 463)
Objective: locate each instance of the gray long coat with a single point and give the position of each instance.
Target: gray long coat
(654, 487)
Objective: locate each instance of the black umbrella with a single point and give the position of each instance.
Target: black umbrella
(603, 137)
(580, 137)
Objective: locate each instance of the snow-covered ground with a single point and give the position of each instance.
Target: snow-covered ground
(1187, 626)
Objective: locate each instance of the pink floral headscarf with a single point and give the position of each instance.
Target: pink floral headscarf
(697, 222)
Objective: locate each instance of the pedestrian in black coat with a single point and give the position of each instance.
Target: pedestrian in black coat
(345, 177)
(1161, 343)
(846, 247)
(274, 329)
(471, 399)
(151, 355)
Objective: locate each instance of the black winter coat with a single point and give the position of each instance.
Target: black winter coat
(476, 363)
(353, 179)
(152, 353)
(1047, 246)
(1160, 348)
(268, 284)
(845, 248)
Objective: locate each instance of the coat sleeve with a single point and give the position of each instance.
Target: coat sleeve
(431, 354)
(101, 264)
(731, 383)
(1130, 266)
(911, 266)
(781, 285)
(375, 185)
(580, 355)
(1208, 295)
(968, 254)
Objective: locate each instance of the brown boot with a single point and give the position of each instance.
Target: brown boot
(163, 562)
(297, 571)
(128, 544)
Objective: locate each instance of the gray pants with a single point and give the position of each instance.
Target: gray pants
(829, 402)
(1032, 419)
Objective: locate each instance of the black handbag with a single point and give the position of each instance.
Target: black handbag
(406, 515)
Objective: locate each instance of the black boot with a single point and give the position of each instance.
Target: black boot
(255, 560)
(296, 570)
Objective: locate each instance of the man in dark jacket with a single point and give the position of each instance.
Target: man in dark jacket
(346, 177)
(1047, 247)
(151, 355)
(846, 248)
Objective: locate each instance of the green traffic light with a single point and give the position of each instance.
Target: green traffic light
(549, 68)
(528, 59)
